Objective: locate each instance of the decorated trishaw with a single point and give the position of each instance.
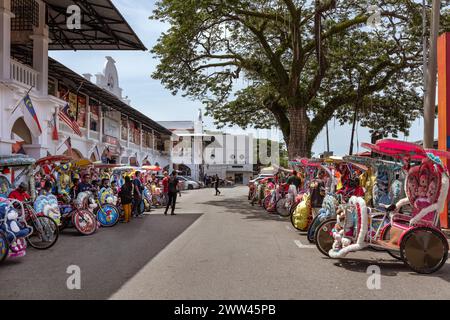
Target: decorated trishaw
(107, 213)
(19, 222)
(342, 183)
(414, 237)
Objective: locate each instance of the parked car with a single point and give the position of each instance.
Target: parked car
(189, 184)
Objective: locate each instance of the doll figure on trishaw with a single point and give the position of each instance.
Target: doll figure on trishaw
(414, 238)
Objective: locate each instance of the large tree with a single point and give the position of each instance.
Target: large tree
(300, 62)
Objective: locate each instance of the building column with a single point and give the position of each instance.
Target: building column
(5, 38)
(41, 40)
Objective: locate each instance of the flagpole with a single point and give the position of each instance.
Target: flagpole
(20, 101)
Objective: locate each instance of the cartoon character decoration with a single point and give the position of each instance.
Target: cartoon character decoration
(5, 187)
(381, 194)
(14, 226)
(86, 200)
(64, 180)
(367, 181)
(48, 205)
(302, 214)
(342, 231)
(396, 191)
(423, 187)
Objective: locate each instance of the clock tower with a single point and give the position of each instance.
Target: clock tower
(109, 79)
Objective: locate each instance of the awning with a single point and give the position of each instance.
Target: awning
(102, 27)
(73, 81)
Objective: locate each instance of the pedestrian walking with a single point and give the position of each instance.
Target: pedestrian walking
(165, 184)
(173, 190)
(137, 194)
(126, 198)
(216, 185)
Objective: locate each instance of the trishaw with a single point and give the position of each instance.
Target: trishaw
(19, 221)
(107, 213)
(301, 214)
(348, 184)
(414, 238)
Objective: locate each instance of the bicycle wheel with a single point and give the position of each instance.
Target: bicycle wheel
(108, 215)
(282, 210)
(312, 229)
(45, 233)
(324, 236)
(84, 222)
(4, 247)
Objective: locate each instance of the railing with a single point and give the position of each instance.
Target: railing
(23, 74)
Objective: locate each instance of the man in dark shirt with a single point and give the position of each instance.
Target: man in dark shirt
(294, 180)
(85, 184)
(173, 188)
(137, 194)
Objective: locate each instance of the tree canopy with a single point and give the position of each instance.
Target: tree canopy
(295, 63)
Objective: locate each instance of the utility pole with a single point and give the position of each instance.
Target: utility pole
(328, 139)
(431, 78)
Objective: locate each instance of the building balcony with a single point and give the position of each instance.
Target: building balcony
(23, 74)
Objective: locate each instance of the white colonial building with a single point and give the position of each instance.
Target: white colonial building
(198, 152)
(111, 129)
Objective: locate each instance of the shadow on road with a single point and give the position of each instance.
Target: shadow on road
(389, 268)
(242, 206)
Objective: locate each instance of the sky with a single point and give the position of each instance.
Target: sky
(151, 98)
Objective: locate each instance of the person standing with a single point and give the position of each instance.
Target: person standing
(165, 184)
(216, 185)
(137, 194)
(126, 198)
(173, 190)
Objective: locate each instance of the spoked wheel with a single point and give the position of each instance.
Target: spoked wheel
(108, 215)
(4, 247)
(424, 250)
(282, 208)
(84, 222)
(312, 229)
(324, 236)
(45, 233)
(387, 237)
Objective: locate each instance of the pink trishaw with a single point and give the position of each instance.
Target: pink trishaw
(414, 237)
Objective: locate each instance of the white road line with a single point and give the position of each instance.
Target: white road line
(302, 246)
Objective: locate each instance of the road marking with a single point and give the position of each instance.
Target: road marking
(302, 246)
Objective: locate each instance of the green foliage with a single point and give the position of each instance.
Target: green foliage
(293, 65)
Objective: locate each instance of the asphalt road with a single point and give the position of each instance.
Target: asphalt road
(106, 259)
(215, 248)
(236, 251)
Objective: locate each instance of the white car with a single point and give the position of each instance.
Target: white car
(188, 183)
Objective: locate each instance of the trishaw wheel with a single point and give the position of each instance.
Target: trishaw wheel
(45, 234)
(108, 215)
(424, 250)
(312, 229)
(281, 208)
(324, 236)
(84, 222)
(387, 237)
(293, 207)
(4, 247)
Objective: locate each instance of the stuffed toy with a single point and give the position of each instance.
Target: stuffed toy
(15, 229)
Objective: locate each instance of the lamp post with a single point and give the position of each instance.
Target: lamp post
(431, 78)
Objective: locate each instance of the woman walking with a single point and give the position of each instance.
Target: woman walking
(173, 190)
(126, 196)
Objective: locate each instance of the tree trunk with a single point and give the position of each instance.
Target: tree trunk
(299, 144)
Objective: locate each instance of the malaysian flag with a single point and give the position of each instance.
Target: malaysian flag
(30, 116)
(64, 115)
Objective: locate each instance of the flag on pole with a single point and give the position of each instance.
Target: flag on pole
(54, 124)
(48, 154)
(68, 144)
(64, 115)
(30, 117)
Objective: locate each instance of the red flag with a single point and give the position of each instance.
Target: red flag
(55, 134)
